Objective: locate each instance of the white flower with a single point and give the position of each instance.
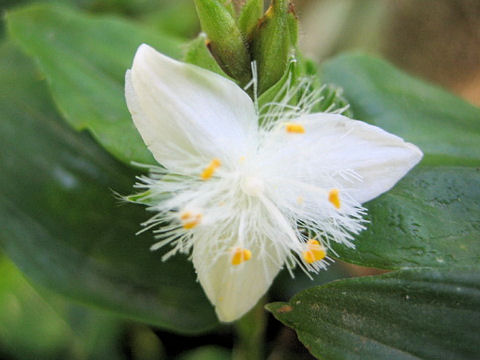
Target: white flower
(247, 200)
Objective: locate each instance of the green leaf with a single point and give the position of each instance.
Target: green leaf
(414, 314)
(431, 218)
(165, 17)
(84, 59)
(285, 286)
(29, 327)
(446, 128)
(62, 225)
(45, 326)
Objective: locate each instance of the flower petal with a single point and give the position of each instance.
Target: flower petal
(233, 289)
(335, 145)
(182, 110)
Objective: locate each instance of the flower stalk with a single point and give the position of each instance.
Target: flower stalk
(250, 331)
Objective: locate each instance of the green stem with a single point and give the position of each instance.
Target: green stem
(250, 330)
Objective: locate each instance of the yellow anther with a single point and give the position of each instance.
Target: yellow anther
(300, 200)
(314, 252)
(294, 128)
(242, 159)
(189, 220)
(207, 173)
(187, 225)
(185, 215)
(240, 255)
(334, 197)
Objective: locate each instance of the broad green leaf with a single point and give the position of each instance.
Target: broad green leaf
(62, 225)
(165, 17)
(446, 128)
(29, 327)
(84, 59)
(285, 286)
(405, 315)
(431, 218)
(46, 326)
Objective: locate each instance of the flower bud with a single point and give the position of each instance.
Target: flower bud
(273, 41)
(249, 17)
(292, 21)
(230, 6)
(225, 40)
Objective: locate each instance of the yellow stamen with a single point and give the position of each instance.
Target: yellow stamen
(314, 252)
(189, 221)
(300, 200)
(242, 159)
(191, 224)
(334, 197)
(294, 128)
(210, 169)
(240, 255)
(185, 215)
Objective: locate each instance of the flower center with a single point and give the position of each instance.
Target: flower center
(252, 186)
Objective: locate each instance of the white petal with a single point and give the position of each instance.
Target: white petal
(233, 290)
(182, 110)
(334, 143)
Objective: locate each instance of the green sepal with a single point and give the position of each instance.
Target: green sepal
(144, 198)
(333, 101)
(278, 91)
(249, 17)
(198, 54)
(271, 44)
(225, 39)
(329, 96)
